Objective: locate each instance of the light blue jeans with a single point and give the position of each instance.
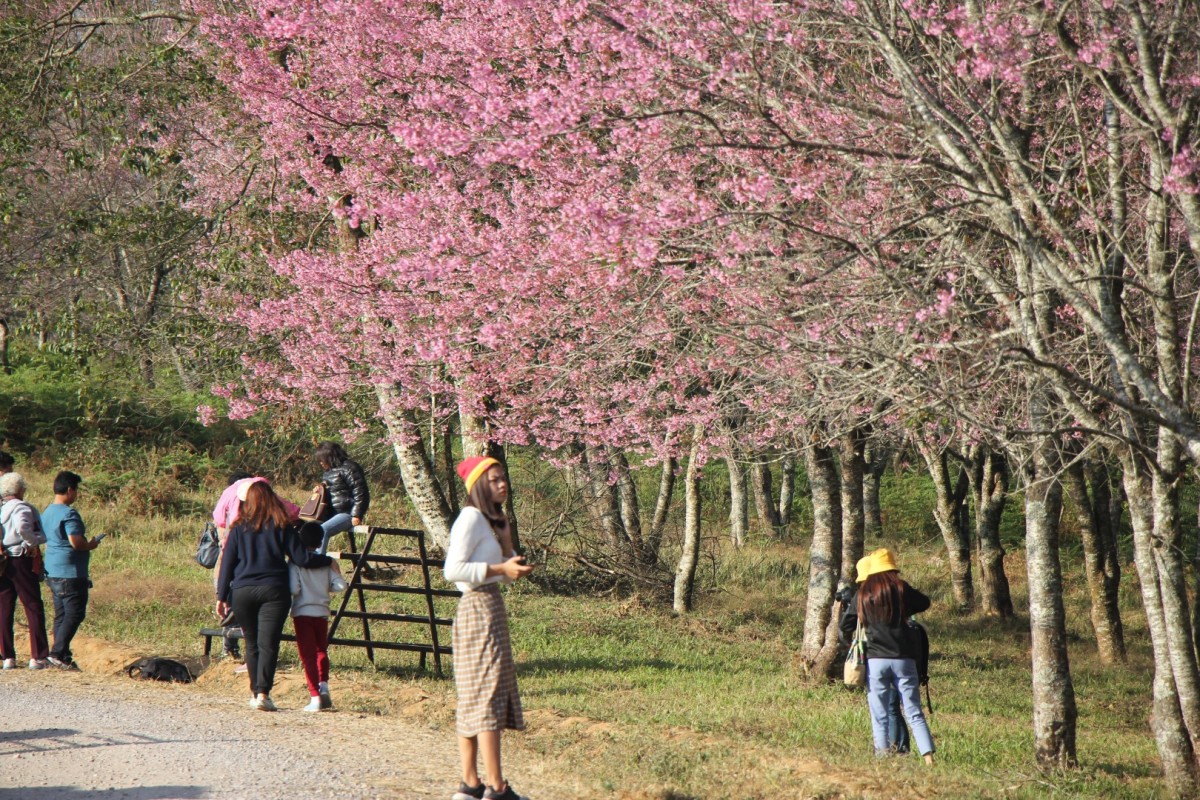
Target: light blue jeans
(335, 524)
(901, 673)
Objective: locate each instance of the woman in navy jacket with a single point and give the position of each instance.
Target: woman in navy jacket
(254, 582)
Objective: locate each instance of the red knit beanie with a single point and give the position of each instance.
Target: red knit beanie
(469, 469)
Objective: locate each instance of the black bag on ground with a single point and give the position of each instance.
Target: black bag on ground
(157, 668)
(209, 547)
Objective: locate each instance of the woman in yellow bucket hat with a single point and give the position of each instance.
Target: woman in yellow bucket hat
(884, 601)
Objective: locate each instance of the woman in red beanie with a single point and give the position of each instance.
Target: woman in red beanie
(479, 558)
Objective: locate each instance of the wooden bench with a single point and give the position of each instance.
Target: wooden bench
(210, 633)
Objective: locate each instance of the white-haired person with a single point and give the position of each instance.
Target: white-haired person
(23, 536)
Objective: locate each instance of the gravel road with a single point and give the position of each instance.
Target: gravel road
(77, 736)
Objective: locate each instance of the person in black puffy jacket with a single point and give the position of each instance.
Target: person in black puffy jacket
(884, 602)
(346, 487)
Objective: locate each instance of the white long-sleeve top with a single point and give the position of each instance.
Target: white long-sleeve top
(311, 589)
(22, 527)
(473, 547)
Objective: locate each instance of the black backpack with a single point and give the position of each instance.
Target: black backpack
(920, 637)
(157, 668)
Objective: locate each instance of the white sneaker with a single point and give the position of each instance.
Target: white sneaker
(38, 663)
(263, 703)
(10, 663)
(253, 701)
(314, 704)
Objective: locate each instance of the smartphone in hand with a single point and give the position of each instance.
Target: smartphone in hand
(99, 537)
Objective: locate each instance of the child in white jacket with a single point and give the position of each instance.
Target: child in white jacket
(311, 591)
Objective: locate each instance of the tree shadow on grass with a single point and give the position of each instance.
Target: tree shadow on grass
(604, 665)
(125, 793)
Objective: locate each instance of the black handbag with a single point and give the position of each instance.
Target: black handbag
(209, 548)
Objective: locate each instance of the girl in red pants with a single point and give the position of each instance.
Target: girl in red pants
(311, 590)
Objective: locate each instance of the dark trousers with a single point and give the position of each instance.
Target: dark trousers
(20, 581)
(70, 607)
(262, 611)
(312, 640)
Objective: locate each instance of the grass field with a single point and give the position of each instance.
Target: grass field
(640, 703)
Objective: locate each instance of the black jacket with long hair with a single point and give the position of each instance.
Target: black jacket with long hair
(890, 638)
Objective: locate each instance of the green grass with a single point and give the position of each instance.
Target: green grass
(641, 703)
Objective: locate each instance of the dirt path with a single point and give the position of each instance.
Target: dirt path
(77, 736)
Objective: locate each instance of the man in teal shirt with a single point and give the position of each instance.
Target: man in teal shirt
(68, 551)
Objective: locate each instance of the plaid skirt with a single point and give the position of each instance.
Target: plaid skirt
(484, 676)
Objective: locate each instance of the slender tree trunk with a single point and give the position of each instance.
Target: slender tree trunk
(875, 458)
(477, 441)
(1098, 561)
(850, 456)
(449, 474)
(603, 503)
(764, 496)
(1054, 710)
(739, 511)
(787, 489)
(685, 573)
(662, 507)
(1176, 746)
(825, 555)
(1172, 575)
(474, 433)
(627, 500)
(416, 471)
(990, 488)
(946, 512)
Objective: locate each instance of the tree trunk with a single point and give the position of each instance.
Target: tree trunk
(627, 499)
(603, 503)
(946, 511)
(449, 474)
(662, 506)
(1172, 576)
(1099, 561)
(186, 380)
(764, 497)
(850, 456)
(825, 554)
(787, 489)
(1054, 711)
(477, 441)
(416, 471)
(875, 458)
(474, 433)
(739, 511)
(989, 485)
(685, 573)
(1176, 746)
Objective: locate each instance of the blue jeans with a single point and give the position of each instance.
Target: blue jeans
(900, 675)
(335, 524)
(70, 607)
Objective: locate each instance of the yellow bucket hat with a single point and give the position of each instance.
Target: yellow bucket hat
(879, 561)
(861, 568)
